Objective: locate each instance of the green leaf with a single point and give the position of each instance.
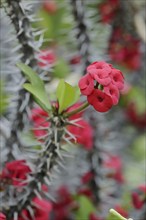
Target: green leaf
(66, 95)
(40, 96)
(85, 208)
(31, 75)
(3, 99)
(115, 215)
(36, 87)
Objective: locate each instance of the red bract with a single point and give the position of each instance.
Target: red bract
(73, 107)
(139, 197)
(83, 133)
(39, 117)
(50, 6)
(124, 49)
(94, 217)
(2, 216)
(87, 177)
(75, 60)
(41, 208)
(121, 211)
(117, 78)
(114, 164)
(86, 84)
(139, 120)
(108, 10)
(16, 171)
(100, 72)
(100, 101)
(113, 92)
(62, 207)
(46, 58)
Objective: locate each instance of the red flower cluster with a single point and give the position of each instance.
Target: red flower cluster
(16, 172)
(46, 58)
(2, 216)
(41, 208)
(108, 10)
(139, 197)
(124, 49)
(101, 85)
(83, 132)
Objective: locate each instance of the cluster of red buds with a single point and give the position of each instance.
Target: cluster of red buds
(101, 85)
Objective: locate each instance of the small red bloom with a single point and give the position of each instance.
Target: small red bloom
(121, 211)
(39, 117)
(83, 133)
(50, 6)
(114, 164)
(16, 171)
(73, 107)
(42, 209)
(108, 10)
(100, 101)
(117, 78)
(87, 177)
(63, 205)
(100, 72)
(94, 217)
(113, 92)
(86, 84)
(2, 216)
(46, 58)
(139, 120)
(75, 60)
(139, 197)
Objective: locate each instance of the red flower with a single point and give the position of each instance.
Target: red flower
(86, 192)
(86, 84)
(113, 92)
(41, 208)
(101, 85)
(139, 197)
(73, 107)
(100, 72)
(75, 60)
(114, 164)
(16, 171)
(46, 58)
(121, 211)
(100, 101)
(50, 6)
(61, 208)
(2, 216)
(39, 117)
(108, 10)
(125, 49)
(94, 217)
(117, 78)
(138, 120)
(83, 134)
(87, 177)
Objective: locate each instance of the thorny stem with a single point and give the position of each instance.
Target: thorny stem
(46, 163)
(77, 110)
(82, 34)
(22, 26)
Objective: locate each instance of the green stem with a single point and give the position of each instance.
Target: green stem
(81, 108)
(116, 215)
